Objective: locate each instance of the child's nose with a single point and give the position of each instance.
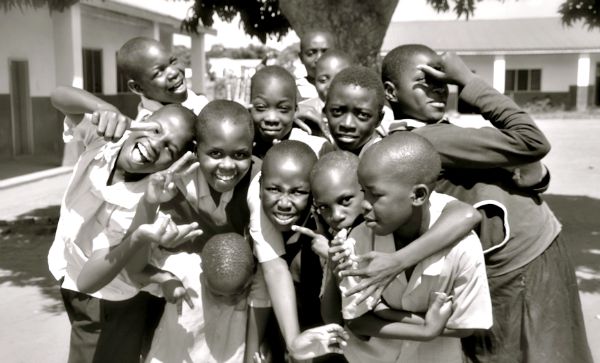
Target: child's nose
(227, 163)
(284, 203)
(366, 206)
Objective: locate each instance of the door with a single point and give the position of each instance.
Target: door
(20, 102)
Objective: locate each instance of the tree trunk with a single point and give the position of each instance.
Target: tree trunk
(358, 25)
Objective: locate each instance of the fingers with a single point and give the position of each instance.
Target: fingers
(110, 124)
(305, 231)
(435, 73)
(301, 124)
(184, 163)
(144, 126)
(188, 300)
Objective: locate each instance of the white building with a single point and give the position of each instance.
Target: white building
(42, 49)
(528, 59)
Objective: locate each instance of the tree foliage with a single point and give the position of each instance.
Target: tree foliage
(58, 5)
(587, 11)
(259, 18)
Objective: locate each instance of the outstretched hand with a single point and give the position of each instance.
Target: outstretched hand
(319, 243)
(376, 270)
(453, 70)
(319, 341)
(161, 187)
(166, 233)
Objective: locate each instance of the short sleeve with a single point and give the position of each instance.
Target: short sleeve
(114, 223)
(267, 240)
(472, 305)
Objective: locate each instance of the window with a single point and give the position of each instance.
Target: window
(92, 70)
(523, 80)
(121, 81)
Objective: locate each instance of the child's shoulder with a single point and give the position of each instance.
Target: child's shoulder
(314, 142)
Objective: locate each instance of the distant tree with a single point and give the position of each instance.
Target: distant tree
(183, 54)
(587, 11)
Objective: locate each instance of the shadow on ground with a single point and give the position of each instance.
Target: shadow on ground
(24, 245)
(581, 230)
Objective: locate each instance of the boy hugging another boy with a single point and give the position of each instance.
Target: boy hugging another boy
(400, 205)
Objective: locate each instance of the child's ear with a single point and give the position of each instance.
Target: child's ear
(134, 87)
(390, 91)
(419, 195)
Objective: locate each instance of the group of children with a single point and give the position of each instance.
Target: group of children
(227, 234)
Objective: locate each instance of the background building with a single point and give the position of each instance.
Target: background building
(42, 50)
(533, 60)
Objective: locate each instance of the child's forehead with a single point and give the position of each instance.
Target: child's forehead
(352, 92)
(226, 127)
(289, 166)
(274, 83)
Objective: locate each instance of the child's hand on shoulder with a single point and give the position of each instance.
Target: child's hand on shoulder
(164, 232)
(440, 309)
(454, 70)
(161, 187)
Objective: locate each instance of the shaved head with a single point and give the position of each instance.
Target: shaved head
(405, 156)
(227, 262)
(221, 111)
(335, 162)
(396, 61)
(288, 153)
(134, 52)
(266, 75)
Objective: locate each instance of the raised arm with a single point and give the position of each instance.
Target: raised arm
(514, 141)
(75, 102)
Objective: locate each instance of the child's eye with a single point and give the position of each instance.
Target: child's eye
(274, 190)
(174, 60)
(363, 116)
(346, 201)
(259, 108)
(336, 112)
(241, 155)
(285, 109)
(300, 193)
(214, 154)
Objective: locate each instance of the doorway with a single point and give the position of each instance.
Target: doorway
(20, 103)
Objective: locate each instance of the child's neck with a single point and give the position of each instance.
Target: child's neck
(412, 229)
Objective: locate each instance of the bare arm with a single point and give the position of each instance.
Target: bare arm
(456, 221)
(283, 297)
(255, 331)
(75, 102)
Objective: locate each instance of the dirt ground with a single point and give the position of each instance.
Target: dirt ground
(34, 327)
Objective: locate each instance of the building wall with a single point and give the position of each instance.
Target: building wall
(106, 30)
(482, 65)
(559, 71)
(27, 35)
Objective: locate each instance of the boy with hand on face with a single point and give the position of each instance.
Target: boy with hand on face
(97, 232)
(478, 165)
(448, 287)
(273, 99)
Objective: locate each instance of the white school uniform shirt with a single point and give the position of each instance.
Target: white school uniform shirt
(306, 89)
(94, 215)
(458, 270)
(211, 332)
(193, 102)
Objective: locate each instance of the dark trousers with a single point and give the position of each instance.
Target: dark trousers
(111, 331)
(537, 315)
